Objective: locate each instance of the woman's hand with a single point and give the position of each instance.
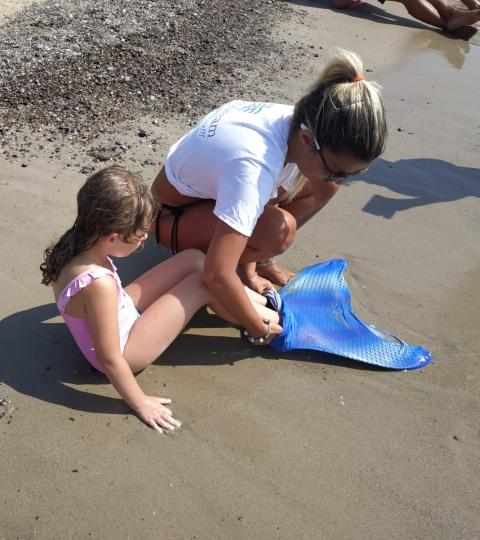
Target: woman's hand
(257, 283)
(260, 341)
(154, 413)
(252, 279)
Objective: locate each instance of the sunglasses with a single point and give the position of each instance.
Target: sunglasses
(331, 175)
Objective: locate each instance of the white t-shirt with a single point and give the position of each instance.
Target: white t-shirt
(235, 155)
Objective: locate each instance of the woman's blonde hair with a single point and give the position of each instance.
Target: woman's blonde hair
(112, 200)
(344, 111)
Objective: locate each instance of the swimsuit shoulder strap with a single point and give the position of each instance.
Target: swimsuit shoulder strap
(84, 280)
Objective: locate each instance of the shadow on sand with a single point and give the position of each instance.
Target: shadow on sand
(423, 181)
(40, 358)
(373, 12)
(365, 11)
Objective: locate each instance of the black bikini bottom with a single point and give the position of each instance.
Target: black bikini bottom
(176, 211)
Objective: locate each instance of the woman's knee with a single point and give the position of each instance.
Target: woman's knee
(283, 229)
(290, 230)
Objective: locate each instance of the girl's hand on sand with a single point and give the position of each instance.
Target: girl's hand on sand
(154, 413)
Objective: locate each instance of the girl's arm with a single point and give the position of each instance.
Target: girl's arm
(101, 307)
(220, 276)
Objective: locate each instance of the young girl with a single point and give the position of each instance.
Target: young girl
(240, 184)
(122, 330)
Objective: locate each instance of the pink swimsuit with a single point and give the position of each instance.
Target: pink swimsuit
(127, 312)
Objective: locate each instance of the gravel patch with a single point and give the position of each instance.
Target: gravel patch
(77, 70)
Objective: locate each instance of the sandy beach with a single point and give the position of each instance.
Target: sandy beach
(302, 445)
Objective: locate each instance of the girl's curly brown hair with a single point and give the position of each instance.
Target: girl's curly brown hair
(112, 200)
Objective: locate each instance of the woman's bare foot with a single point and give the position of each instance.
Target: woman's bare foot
(274, 272)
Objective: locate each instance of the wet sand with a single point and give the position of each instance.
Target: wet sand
(8, 8)
(298, 446)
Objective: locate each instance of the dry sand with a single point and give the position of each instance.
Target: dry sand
(302, 446)
(8, 8)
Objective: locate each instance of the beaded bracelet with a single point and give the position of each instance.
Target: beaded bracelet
(262, 339)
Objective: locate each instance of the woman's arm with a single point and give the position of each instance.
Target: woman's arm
(101, 306)
(310, 199)
(220, 276)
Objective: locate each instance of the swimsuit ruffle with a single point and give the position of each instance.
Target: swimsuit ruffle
(82, 281)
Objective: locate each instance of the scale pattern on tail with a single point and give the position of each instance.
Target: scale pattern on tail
(317, 314)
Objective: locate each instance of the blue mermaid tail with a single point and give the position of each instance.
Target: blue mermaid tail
(317, 314)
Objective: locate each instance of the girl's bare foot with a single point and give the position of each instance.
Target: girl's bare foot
(274, 272)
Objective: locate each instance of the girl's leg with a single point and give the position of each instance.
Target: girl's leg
(166, 316)
(162, 321)
(162, 278)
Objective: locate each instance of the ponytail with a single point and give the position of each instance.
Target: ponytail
(344, 111)
(60, 253)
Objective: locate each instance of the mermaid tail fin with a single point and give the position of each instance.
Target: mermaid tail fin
(317, 314)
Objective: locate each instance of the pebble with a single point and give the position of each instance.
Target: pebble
(64, 67)
(101, 156)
